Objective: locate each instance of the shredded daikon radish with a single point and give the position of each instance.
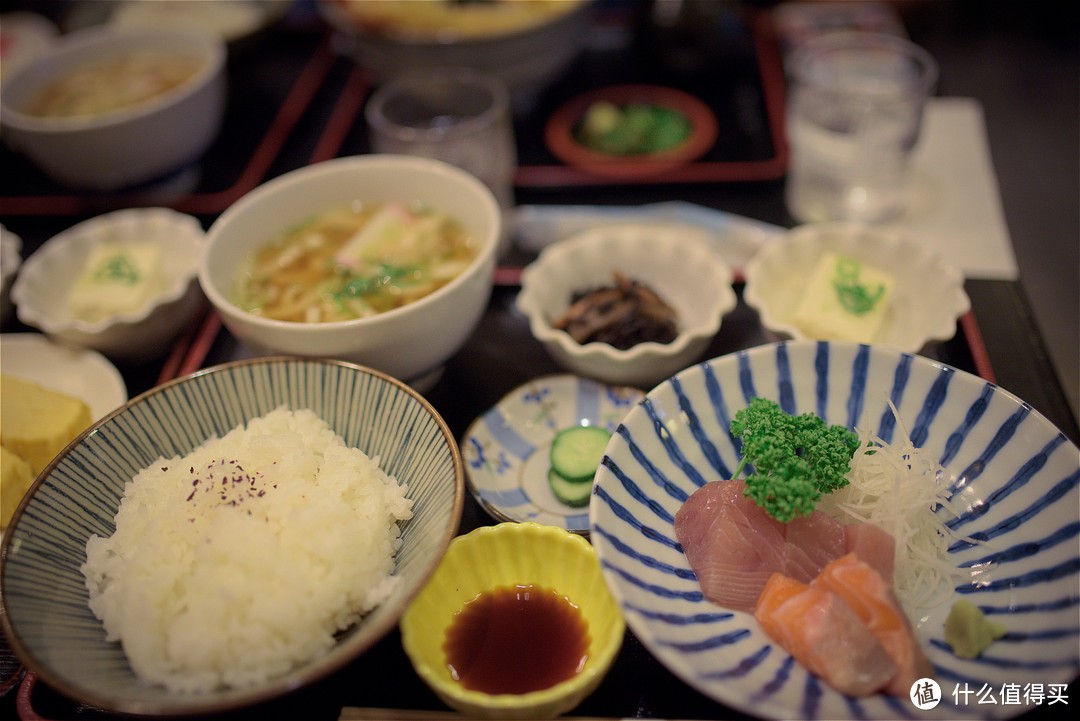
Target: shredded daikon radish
(904, 492)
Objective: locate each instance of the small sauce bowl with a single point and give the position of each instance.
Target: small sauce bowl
(513, 555)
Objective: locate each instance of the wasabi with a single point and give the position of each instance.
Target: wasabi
(968, 631)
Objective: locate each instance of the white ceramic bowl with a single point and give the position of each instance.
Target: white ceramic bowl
(410, 342)
(682, 268)
(1012, 476)
(46, 618)
(527, 58)
(41, 290)
(928, 293)
(10, 260)
(128, 146)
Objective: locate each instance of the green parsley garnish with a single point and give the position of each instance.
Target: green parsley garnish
(795, 459)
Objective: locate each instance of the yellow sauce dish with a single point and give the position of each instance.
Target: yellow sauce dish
(495, 576)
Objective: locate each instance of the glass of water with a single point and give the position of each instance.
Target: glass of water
(457, 115)
(855, 110)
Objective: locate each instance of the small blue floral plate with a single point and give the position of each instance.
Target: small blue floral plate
(506, 450)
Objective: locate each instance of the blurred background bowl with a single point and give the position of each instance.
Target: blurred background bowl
(46, 617)
(526, 43)
(410, 342)
(240, 23)
(25, 36)
(41, 291)
(508, 555)
(564, 138)
(679, 265)
(114, 149)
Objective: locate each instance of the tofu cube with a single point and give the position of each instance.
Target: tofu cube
(117, 278)
(844, 300)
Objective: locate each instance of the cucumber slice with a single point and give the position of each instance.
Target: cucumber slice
(572, 493)
(576, 452)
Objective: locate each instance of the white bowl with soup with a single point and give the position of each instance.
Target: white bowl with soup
(382, 260)
(106, 109)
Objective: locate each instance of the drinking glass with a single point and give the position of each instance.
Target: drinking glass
(855, 111)
(457, 115)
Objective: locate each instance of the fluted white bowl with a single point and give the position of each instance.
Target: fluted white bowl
(10, 260)
(41, 290)
(682, 268)
(928, 294)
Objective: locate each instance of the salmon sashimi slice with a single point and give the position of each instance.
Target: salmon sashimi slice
(733, 546)
(824, 635)
(873, 601)
(874, 545)
(777, 591)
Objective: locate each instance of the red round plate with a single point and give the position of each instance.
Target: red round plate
(559, 131)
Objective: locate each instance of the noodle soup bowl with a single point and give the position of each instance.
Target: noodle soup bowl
(411, 342)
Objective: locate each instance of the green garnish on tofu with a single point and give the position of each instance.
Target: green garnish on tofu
(854, 295)
(844, 299)
(795, 459)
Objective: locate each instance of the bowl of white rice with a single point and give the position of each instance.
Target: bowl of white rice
(230, 536)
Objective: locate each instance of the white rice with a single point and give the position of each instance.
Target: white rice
(241, 560)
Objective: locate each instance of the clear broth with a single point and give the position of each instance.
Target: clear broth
(354, 262)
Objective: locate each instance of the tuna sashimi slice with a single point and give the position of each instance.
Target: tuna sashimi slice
(872, 600)
(823, 634)
(812, 542)
(733, 546)
(873, 545)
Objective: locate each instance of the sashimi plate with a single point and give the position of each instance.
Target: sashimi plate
(506, 450)
(1015, 482)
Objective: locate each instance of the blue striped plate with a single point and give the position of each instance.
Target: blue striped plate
(1016, 479)
(46, 618)
(506, 449)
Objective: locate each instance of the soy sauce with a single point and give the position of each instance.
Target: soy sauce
(516, 639)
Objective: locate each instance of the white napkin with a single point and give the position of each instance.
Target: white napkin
(735, 237)
(956, 204)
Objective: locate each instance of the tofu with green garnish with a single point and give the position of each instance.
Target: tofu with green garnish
(845, 299)
(117, 278)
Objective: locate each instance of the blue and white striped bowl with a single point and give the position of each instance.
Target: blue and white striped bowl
(1016, 480)
(45, 614)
